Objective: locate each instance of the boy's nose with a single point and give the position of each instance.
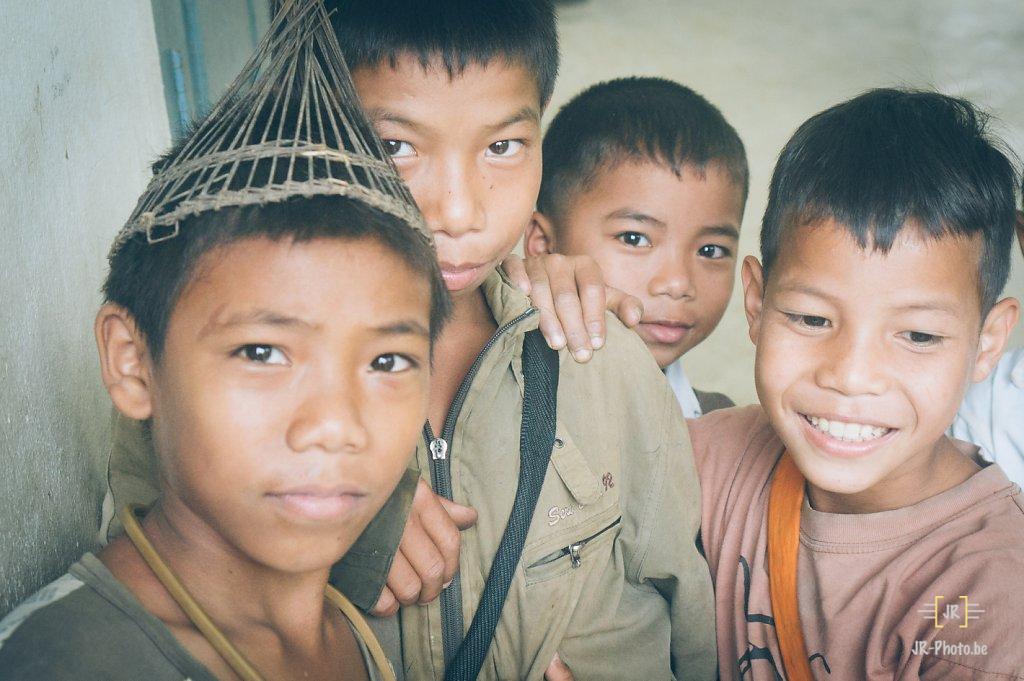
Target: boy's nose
(330, 420)
(454, 208)
(853, 365)
(672, 279)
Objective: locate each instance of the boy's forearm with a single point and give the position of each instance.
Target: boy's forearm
(363, 571)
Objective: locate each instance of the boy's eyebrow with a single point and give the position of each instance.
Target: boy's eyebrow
(929, 306)
(379, 114)
(635, 216)
(925, 306)
(254, 317)
(527, 113)
(404, 327)
(729, 231)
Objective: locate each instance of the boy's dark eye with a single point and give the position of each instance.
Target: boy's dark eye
(504, 147)
(634, 239)
(922, 338)
(809, 321)
(398, 148)
(261, 354)
(713, 252)
(391, 363)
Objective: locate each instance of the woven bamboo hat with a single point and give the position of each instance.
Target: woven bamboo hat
(289, 125)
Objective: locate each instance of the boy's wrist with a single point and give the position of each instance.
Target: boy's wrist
(362, 572)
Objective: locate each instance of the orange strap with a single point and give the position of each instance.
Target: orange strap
(785, 501)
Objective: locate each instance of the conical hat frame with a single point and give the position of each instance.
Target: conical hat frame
(289, 125)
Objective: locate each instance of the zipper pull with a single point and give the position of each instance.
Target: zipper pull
(438, 449)
(574, 554)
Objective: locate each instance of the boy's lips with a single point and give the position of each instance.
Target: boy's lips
(458, 277)
(664, 331)
(845, 438)
(319, 503)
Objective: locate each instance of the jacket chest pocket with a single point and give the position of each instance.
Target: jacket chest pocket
(572, 556)
(578, 514)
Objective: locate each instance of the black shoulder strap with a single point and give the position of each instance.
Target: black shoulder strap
(536, 439)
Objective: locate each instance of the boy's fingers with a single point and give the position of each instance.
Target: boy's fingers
(431, 540)
(550, 328)
(464, 517)
(627, 308)
(387, 604)
(557, 671)
(403, 582)
(566, 295)
(590, 283)
(516, 272)
(540, 298)
(424, 555)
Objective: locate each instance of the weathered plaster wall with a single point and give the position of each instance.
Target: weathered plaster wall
(81, 114)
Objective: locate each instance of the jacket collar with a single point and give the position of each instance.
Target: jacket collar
(507, 302)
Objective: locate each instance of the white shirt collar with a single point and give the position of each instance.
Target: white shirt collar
(683, 389)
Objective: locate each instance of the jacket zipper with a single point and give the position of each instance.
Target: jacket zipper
(574, 550)
(452, 626)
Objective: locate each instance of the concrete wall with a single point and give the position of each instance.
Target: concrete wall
(770, 65)
(82, 115)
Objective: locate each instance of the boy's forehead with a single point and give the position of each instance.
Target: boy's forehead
(704, 196)
(310, 284)
(491, 94)
(824, 259)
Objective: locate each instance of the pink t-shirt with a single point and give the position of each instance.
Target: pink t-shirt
(931, 591)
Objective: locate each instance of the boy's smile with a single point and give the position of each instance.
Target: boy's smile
(468, 146)
(668, 240)
(863, 359)
(290, 394)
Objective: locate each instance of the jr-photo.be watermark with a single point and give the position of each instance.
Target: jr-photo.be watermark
(958, 615)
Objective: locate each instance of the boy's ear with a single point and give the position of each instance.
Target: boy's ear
(540, 236)
(124, 362)
(752, 275)
(995, 332)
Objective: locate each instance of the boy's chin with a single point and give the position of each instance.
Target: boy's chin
(303, 555)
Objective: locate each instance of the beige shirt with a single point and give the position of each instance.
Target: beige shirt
(931, 591)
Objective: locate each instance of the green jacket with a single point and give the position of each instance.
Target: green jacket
(610, 577)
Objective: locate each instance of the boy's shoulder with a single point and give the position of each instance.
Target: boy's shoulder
(731, 439)
(955, 579)
(86, 625)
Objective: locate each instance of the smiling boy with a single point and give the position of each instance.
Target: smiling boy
(885, 246)
(648, 178)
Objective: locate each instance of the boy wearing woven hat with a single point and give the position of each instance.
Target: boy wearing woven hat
(270, 310)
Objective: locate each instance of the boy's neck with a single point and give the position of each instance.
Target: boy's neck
(464, 336)
(921, 478)
(238, 593)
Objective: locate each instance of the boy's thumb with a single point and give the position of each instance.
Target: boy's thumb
(464, 517)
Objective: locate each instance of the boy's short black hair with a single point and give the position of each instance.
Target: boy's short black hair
(456, 32)
(148, 279)
(889, 157)
(646, 119)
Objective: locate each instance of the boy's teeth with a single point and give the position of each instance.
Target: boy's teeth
(848, 432)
